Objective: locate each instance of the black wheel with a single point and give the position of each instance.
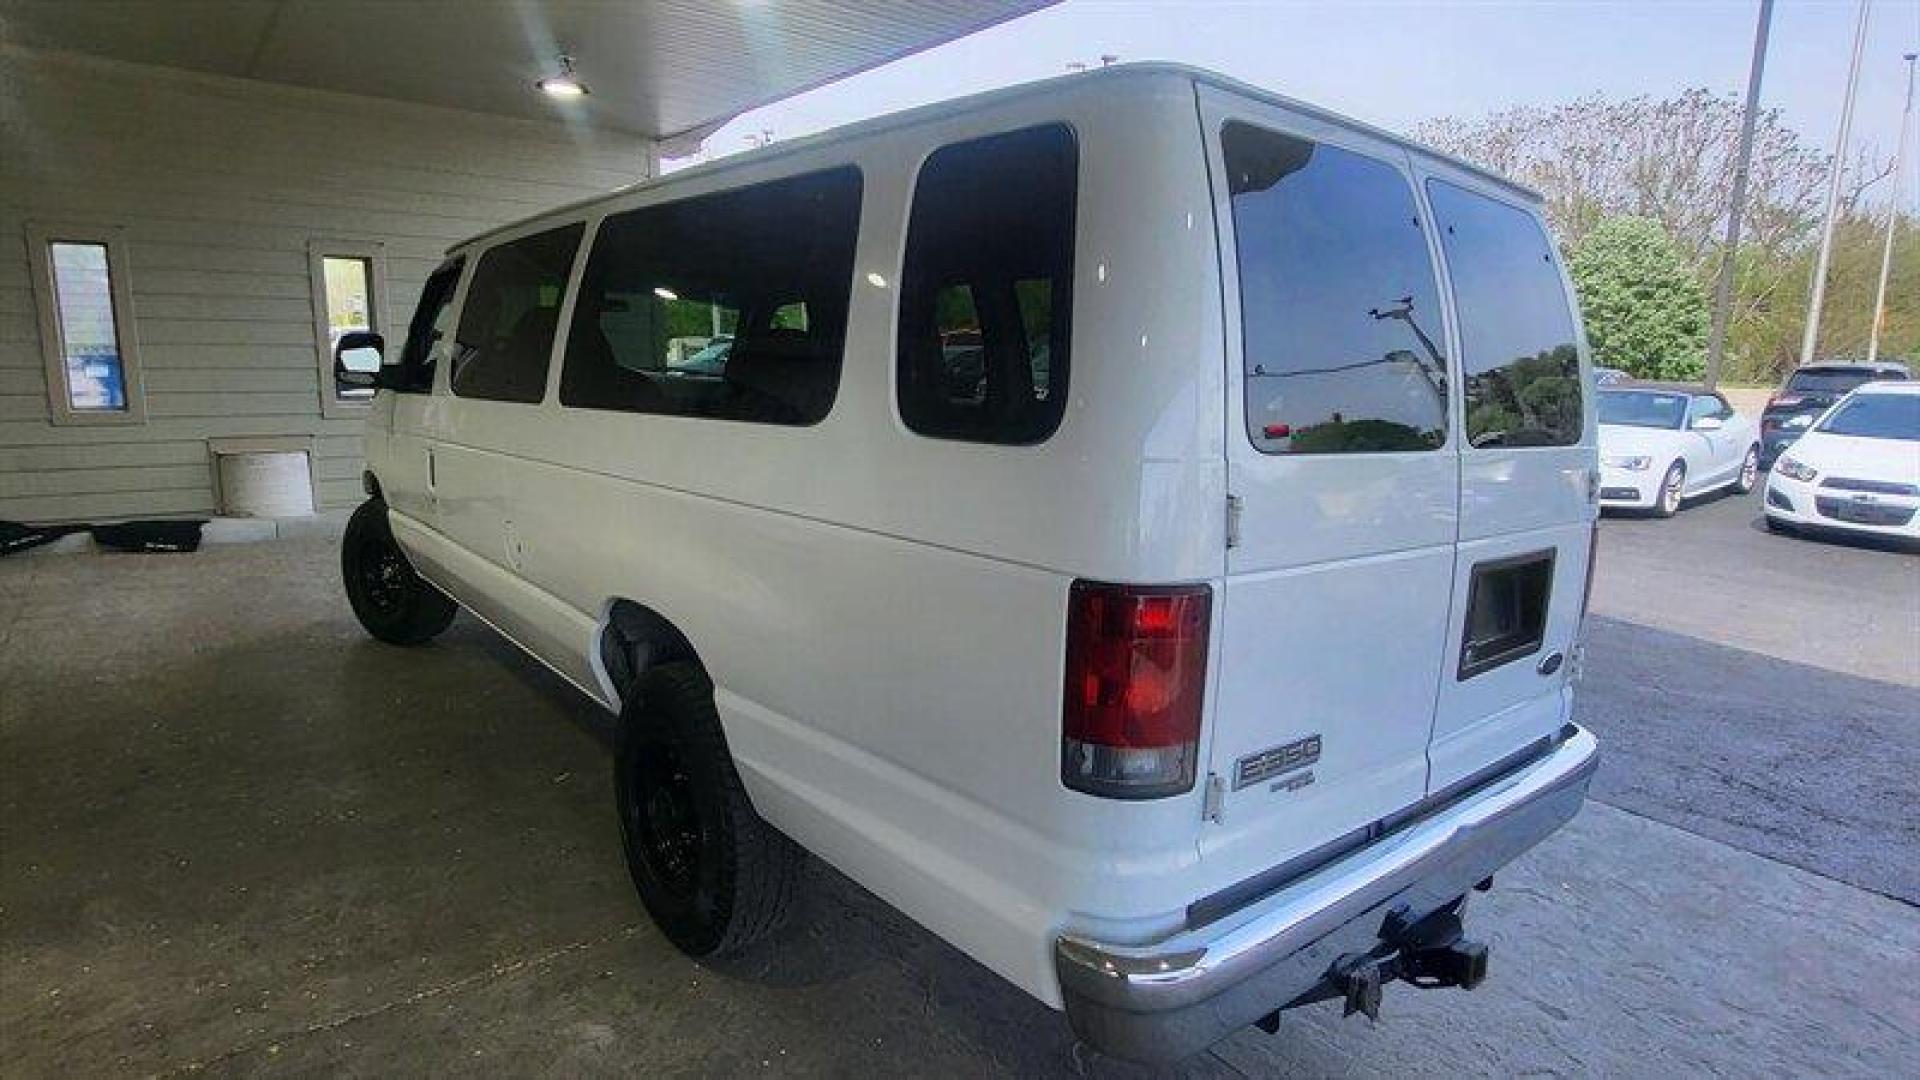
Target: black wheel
(391, 601)
(712, 874)
(1667, 502)
(1749, 471)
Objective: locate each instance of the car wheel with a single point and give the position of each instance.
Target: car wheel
(1667, 503)
(1749, 471)
(395, 604)
(712, 874)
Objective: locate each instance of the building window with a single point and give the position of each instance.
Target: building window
(86, 325)
(510, 315)
(989, 264)
(1339, 308)
(728, 306)
(349, 293)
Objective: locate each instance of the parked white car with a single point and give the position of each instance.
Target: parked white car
(1661, 444)
(1857, 469)
(1099, 538)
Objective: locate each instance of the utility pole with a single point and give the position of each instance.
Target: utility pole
(1893, 218)
(1723, 293)
(1833, 193)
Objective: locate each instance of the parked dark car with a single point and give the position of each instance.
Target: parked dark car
(1807, 393)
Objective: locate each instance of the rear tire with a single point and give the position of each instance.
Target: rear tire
(1749, 472)
(714, 876)
(1667, 502)
(395, 604)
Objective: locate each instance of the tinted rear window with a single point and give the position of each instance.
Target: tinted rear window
(1815, 381)
(1339, 310)
(1516, 330)
(730, 306)
(986, 289)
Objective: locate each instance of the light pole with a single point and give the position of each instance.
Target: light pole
(1723, 293)
(1833, 193)
(1893, 218)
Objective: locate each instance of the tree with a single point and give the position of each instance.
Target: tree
(1670, 160)
(1645, 311)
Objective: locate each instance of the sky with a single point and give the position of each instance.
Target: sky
(1396, 64)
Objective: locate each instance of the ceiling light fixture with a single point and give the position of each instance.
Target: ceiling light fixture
(564, 85)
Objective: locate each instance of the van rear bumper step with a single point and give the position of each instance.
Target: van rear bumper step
(1163, 1001)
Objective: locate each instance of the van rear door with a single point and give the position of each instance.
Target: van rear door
(1526, 491)
(1342, 464)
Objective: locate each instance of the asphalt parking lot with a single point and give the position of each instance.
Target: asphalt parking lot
(238, 838)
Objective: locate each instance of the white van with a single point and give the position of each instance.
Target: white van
(1135, 524)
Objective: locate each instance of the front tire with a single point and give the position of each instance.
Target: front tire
(1667, 502)
(395, 604)
(1749, 472)
(713, 875)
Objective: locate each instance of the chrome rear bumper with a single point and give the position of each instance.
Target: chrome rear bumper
(1163, 1001)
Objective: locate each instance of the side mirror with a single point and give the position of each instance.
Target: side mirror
(357, 359)
(1709, 423)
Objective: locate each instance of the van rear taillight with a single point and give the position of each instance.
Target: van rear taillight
(1136, 672)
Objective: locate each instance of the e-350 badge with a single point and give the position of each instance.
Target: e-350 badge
(1276, 762)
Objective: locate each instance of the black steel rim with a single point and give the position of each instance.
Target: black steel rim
(664, 819)
(383, 577)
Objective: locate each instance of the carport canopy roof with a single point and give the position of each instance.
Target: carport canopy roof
(666, 69)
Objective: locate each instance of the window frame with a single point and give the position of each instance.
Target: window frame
(472, 262)
(1584, 365)
(374, 253)
(1060, 388)
(41, 236)
(1398, 161)
(561, 395)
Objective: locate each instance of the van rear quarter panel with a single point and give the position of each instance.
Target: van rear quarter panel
(883, 613)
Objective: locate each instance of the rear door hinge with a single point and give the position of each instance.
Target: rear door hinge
(1234, 506)
(1213, 802)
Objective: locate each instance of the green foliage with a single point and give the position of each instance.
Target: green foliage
(1645, 311)
(1369, 434)
(1527, 402)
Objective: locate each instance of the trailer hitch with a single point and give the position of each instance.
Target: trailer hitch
(1429, 953)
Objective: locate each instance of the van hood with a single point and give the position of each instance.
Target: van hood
(1892, 460)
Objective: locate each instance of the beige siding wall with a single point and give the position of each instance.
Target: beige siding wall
(220, 185)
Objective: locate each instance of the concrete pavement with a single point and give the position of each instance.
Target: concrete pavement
(237, 836)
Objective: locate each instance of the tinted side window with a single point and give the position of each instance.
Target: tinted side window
(986, 289)
(1339, 308)
(511, 312)
(730, 306)
(1516, 331)
(429, 325)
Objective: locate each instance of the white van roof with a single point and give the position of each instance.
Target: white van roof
(985, 99)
